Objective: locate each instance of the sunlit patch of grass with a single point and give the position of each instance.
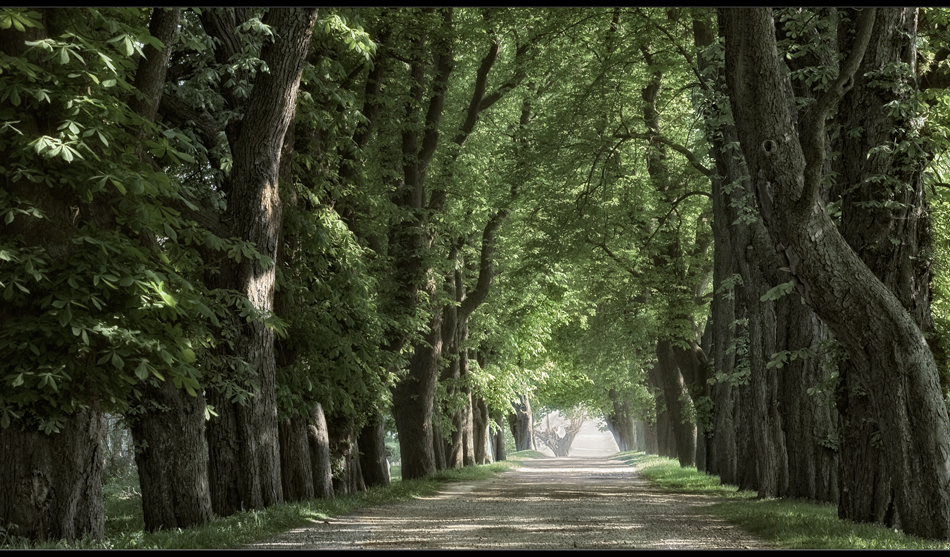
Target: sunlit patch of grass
(786, 523)
(525, 455)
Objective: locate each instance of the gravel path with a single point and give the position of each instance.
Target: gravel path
(547, 503)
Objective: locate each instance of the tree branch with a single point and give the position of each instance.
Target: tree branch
(813, 130)
(690, 157)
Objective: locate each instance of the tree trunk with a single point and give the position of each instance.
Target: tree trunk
(885, 344)
(413, 399)
(52, 484)
(168, 424)
(873, 214)
(255, 211)
(498, 438)
(414, 394)
(666, 443)
(171, 457)
(296, 470)
(372, 442)
(651, 440)
(318, 439)
(521, 422)
(620, 422)
(345, 455)
(481, 436)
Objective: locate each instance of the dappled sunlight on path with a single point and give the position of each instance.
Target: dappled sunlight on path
(546, 503)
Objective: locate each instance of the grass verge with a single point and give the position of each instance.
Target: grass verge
(786, 523)
(124, 522)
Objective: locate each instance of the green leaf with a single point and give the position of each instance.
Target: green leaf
(778, 291)
(141, 371)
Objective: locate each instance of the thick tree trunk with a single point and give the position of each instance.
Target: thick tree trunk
(481, 437)
(873, 215)
(318, 440)
(345, 454)
(676, 396)
(413, 399)
(53, 487)
(620, 422)
(414, 394)
(794, 431)
(168, 424)
(651, 440)
(52, 484)
(809, 419)
(885, 344)
(372, 442)
(224, 456)
(521, 423)
(296, 470)
(498, 438)
(171, 457)
(255, 211)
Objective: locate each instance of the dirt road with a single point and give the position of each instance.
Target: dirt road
(548, 503)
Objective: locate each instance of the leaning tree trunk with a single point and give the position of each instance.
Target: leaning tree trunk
(885, 344)
(251, 479)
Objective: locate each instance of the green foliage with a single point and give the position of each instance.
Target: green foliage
(95, 264)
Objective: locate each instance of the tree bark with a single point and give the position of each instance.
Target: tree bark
(52, 487)
(345, 455)
(480, 435)
(318, 439)
(521, 423)
(254, 209)
(498, 437)
(620, 422)
(171, 457)
(372, 442)
(880, 335)
(168, 423)
(296, 470)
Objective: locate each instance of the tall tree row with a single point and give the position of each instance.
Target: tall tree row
(260, 236)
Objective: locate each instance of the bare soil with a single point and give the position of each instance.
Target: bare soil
(547, 503)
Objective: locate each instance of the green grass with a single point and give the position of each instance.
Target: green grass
(786, 523)
(124, 522)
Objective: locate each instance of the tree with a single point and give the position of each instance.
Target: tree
(560, 437)
(95, 307)
(884, 343)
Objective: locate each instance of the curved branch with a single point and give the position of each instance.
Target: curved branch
(813, 130)
(690, 157)
(486, 270)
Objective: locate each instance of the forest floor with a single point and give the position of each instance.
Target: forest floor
(545, 503)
